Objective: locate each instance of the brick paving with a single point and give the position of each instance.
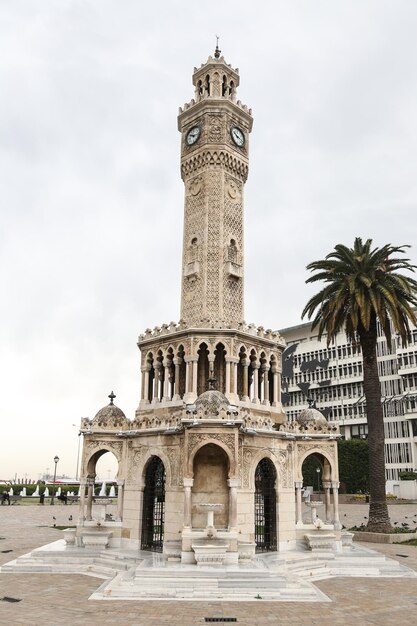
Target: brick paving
(62, 600)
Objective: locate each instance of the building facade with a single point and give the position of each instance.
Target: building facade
(332, 377)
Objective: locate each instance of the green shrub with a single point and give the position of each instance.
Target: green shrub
(354, 465)
(408, 475)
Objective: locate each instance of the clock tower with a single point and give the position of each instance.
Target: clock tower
(215, 129)
(209, 459)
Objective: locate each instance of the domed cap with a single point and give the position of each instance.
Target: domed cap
(110, 415)
(311, 417)
(212, 402)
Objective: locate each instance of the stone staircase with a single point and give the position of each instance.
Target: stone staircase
(135, 575)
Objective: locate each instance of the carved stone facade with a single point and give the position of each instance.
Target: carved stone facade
(209, 430)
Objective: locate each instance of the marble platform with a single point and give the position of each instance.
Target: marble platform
(140, 575)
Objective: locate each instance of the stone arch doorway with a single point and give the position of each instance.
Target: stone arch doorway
(211, 469)
(265, 506)
(153, 517)
(317, 482)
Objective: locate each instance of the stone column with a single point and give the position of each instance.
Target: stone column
(298, 503)
(235, 363)
(326, 487)
(255, 382)
(90, 493)
(228, 390)
(156, 384)
(336, 520)
(177, 362)
(195, 370)
(165, 394)
(245, 364)
(233, 484)
(190, 379)
(276, 399)
(83, 484)
(265, 371)
(188, 483)
(145, 388)
(187, 375)
(120, 495)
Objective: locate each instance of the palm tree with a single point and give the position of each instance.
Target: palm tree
(363, 288)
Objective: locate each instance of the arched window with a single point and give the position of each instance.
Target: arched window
(203, 369)
(153, 506)
(220, 368)
(265, 506)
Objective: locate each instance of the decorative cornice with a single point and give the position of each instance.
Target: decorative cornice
(196, 162)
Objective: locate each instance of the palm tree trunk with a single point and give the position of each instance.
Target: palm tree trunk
(379, 520)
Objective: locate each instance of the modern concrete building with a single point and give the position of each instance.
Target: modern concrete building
(332, 377)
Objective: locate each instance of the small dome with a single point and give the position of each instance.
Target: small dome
(109, 412)
(212, 402)
(310, 417)
(110, 415)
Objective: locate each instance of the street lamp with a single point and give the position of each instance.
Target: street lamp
(56, 459)
(318, 479)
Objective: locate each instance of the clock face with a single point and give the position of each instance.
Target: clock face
(237, 136)
(192, 135)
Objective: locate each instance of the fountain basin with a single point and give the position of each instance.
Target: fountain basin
(69, 536)
(209, 553)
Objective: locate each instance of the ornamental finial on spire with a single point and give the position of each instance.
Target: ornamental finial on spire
(112, 397)
(217, 51)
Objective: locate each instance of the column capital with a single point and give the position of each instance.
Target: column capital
(255, 365)
(120, 482)
(232, 359)
(298, 484)
(327, 484)
(335, 485)
(190, 359)
(233, 482)
(188, 482)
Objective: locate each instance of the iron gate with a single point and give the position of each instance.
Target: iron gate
(265, 506)
(153, 506)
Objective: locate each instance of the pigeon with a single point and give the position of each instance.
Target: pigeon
(70, 518)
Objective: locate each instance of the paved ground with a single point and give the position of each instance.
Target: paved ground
(61, 600)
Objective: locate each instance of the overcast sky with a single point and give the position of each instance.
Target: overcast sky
(91, 199)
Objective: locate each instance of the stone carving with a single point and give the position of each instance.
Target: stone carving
(246, 466)
(134, 461)
(195, 162)
(196, 186)
(175, 461)
(216, 126)
(227, 439)
(233, 188)
(94, 446)
(285, 472)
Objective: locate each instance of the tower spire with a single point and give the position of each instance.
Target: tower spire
(217, 51)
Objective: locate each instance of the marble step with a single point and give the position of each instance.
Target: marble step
(234, 590)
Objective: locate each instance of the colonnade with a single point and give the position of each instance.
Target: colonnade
(253, 380)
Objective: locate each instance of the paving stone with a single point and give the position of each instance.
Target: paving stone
(62, 599)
